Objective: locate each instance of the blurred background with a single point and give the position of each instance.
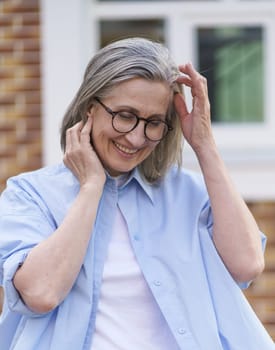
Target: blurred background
(45, 46)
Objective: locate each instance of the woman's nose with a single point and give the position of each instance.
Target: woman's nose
(136, 137)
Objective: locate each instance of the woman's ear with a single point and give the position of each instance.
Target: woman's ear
(90, 111)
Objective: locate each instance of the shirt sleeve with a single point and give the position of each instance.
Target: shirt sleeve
(23, 224)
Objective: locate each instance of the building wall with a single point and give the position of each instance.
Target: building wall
(261, 293)
(21, 129)
(20, 95)
(20, 100)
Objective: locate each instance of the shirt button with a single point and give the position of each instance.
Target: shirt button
(136, 237)
(157, 283)
(97, 284)
(181, 331)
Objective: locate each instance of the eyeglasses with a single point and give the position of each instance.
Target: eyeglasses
(124, 121)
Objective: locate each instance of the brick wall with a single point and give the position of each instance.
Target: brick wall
(20, 100)
(261, 293)
(20, 129)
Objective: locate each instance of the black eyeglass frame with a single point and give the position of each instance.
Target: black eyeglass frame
(146, 122)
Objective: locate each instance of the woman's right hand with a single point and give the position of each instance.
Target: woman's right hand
(80, 156)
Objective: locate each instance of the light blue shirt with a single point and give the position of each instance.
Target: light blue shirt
(170, 231)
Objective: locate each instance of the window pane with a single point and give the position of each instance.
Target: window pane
(231, 58)
(119, 29)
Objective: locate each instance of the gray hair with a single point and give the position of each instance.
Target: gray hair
(120, 61)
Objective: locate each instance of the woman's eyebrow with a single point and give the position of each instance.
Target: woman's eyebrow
(137, 112)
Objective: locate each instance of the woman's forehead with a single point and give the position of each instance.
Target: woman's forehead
(140, 93)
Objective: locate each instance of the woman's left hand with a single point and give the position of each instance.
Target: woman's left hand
(196, 124)
(235, 232)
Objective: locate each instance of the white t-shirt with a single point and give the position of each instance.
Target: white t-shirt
(128, 316)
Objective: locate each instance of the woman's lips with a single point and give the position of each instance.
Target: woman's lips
(124, 149)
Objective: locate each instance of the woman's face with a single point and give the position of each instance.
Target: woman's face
(120, 153)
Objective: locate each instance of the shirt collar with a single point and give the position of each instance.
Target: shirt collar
(134, 176)
(145, 185)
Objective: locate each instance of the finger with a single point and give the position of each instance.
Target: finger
(198, 83)
(191, 77)
(184, 80)
(189, 70)
(180, 106)
(69, 136)
(74, 134)
(86, 130)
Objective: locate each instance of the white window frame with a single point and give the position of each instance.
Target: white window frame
(248, 149)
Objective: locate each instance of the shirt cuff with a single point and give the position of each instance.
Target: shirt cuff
(12, 298)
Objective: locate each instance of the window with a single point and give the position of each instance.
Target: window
(232, 60)
(117, 29)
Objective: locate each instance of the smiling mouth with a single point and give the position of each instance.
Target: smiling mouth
(125, 149)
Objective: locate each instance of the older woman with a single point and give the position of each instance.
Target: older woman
(119, 247)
